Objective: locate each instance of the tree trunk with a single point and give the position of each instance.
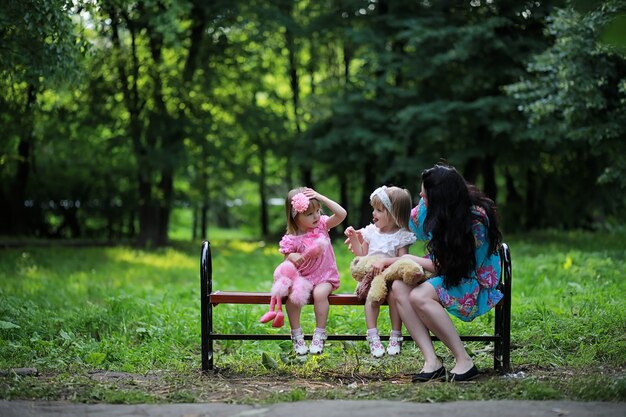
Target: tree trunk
(204, 211)
(344, 197)
(305, 169)
(131, 224)
(365, 209)
(204, 191)
(147, 213)
(166, 187)
(489, 178)
(148, 230)
(514, 205)
(264, 219)
(194, 222)
(531, 186)
(16, 222)
(471, 170)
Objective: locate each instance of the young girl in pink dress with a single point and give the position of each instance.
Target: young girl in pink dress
(307, 247)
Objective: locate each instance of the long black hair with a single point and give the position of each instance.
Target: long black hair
(449, 218)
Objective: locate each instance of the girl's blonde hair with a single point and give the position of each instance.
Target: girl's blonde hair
(314, 204)
(401, 202)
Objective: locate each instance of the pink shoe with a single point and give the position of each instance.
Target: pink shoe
(269, 316)
(279, 320)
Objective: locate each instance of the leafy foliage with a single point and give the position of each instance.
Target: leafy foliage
(38, 41)
(116, 113)
(574, 95)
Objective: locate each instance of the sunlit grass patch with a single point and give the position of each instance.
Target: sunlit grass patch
(162, 260)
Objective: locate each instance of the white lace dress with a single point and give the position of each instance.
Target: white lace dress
(386, 244)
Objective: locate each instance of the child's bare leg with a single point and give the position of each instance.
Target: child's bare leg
(293, 312)
(297, 337)
(395, 338)
(320, 306)
(372, 310)
(320, 303)
(394, 315)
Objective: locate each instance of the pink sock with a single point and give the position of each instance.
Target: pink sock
(396, 333)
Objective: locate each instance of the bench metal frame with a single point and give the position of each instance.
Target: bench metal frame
(209, 299)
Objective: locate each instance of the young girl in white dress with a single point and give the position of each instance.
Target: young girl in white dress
(388, 236)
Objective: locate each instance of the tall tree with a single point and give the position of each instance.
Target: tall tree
(574, 98)
(147, 39)
(39, 49)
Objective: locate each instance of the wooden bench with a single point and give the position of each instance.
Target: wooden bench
(209, 299)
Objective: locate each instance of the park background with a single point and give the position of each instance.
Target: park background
(133, 130)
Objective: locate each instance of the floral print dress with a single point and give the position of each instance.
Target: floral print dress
(477, 293)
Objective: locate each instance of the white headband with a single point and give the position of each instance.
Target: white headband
(381, 193)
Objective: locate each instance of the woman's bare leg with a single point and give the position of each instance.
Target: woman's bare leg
(418, 331)
(425, 302)
(394, 315)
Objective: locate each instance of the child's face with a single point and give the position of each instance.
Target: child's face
(308, 220)
(382, 219)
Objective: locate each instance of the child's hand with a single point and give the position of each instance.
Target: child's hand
(311, 193)
(354, 240)
(296, 259)
(353, 235)
(379, 266)
(339, 213)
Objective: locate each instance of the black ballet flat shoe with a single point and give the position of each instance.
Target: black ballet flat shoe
(439, 374)
(467, 376)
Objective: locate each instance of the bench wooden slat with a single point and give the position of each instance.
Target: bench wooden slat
(241, 297)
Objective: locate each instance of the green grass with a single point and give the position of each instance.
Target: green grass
(121, 325)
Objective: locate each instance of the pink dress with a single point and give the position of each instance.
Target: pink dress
(322, 268)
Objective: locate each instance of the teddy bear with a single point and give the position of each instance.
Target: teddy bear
(374, 288)
(289, 281)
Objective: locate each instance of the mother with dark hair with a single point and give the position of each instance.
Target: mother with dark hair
(460, 226)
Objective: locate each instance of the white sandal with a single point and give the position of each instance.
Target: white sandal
(317, 344)
(394, 346)
(376, 347)
(298, 345)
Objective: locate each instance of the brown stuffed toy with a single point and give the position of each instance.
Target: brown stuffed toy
(374, 288)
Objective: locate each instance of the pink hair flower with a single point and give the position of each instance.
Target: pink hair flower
(299, 204)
